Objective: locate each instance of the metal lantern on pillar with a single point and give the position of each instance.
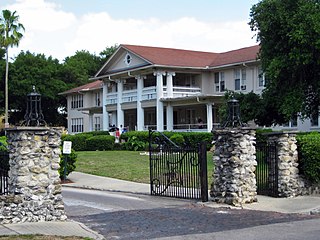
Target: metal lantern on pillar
(233, 118)
(34, 116)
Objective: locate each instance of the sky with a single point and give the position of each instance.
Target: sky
(59, 28)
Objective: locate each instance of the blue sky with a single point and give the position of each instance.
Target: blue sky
(59, 28)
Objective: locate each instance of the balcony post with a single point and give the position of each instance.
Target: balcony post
(209, 117)
(120, 113)
(140, 111)
(105, 117)
(159, 107)
(170, 84)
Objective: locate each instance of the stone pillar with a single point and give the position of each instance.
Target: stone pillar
(234, 159)
(290, 183)
(34, 182)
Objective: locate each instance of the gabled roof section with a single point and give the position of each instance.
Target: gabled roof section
(173, 57)
(84, 88)
(237, 56)
(145, 56)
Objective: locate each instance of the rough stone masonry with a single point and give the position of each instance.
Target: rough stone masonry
(34, 182)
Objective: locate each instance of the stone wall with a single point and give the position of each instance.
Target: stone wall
(235, 163)
(290, 182)
(34, 183)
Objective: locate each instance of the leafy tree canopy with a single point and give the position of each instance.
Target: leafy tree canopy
(46, 75)
(289, 35)
(80, 67)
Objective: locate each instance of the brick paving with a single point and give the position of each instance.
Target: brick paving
(180, 220)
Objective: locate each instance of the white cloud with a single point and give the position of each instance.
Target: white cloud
(52, 31)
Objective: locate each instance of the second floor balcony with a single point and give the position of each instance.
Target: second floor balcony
(150, 93)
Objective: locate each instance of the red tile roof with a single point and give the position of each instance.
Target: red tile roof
(87, 87)
(173, 57)
(187, 58)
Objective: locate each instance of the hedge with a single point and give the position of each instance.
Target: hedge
(309, 155)
(100, 142)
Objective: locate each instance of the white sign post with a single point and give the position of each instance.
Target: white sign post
(66, 150)
(67, 147)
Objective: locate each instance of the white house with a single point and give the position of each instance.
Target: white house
(84, 107)
(144, 88)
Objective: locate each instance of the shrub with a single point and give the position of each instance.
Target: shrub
(70, 160)
(140, 136)
(3, 144)
(78, 140)
(177, 139)
(96, 133)
(134, 144)
(100, 142)
(309, 155)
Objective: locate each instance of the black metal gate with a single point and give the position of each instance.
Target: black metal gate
(177, 171)
(267, 169)
(4, 169)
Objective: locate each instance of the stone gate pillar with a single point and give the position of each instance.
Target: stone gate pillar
(290, 183)
(234, 159)
(34, 182)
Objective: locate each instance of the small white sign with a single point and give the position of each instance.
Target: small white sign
(66, 147)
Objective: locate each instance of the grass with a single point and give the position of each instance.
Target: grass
(125, 165)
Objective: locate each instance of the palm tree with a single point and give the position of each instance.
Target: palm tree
(10, 36)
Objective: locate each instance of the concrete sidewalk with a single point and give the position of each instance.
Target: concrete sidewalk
(304, 204)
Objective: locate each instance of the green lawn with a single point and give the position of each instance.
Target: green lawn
(125, 165)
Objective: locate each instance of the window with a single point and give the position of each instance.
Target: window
(314, 120)
(76, 125)
(128, 59)
(219, 82)
(97, 124)
(292, 123)
(97, 99)
(77, 101)
(261, 78)
(240, 76)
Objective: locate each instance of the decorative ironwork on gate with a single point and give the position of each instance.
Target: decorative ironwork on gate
(4, 169)
(177, 171)
(267, 169)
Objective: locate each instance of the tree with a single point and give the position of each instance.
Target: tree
(289, 36)
(47, 75)
(107, 53)
(80, 67)
(10, 36)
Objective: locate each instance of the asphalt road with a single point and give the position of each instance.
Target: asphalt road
(129, 216)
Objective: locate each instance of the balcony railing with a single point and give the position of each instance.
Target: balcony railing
(150, 93)
(112, 98)
(129, 96)
(181, 91)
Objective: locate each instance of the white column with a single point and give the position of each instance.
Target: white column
(90, 122)
(120, 113)
(170, 84)
(159, 106)
(169, 117)
(209, 117)
(114, 118)
(105, 117)
(140, 111)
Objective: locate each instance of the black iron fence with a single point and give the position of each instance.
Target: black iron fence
(267, 169)
(4, 169)
(177, 171)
